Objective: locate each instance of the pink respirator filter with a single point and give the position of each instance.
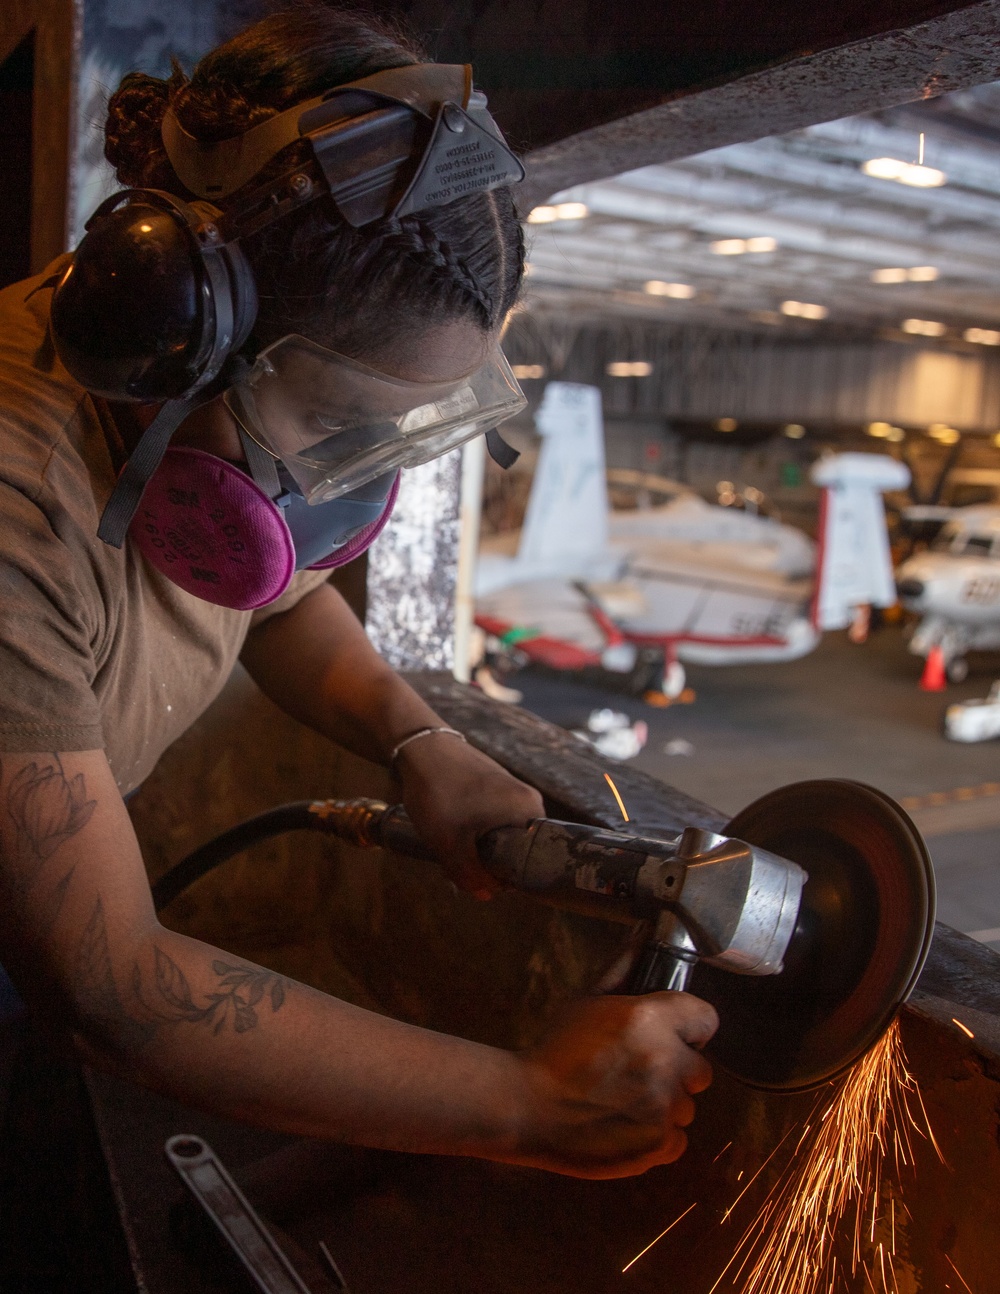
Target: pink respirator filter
(212, 531)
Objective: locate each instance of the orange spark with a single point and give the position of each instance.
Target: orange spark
(722, 1152)
(837, 1175)
(662, 1233)
(964, 1027)
(614, 792)
(958, 1274)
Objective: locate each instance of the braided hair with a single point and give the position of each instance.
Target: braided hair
(358, 291)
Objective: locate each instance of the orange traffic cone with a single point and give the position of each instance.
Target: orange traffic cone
(933, 678)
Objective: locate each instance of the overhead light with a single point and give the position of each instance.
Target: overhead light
(945, 435)
(894, 275)
(803, 310)
(886, 431)
(629, 368)
(525, 372)
(726, 424)
(984, 336)
(996, 440)
(737, 246)
(912, 173)
(917, 274)
(679, 291)
(794, 431)
(924, 327)
(560, 211)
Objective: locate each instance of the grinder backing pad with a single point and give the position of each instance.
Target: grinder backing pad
(863, 933)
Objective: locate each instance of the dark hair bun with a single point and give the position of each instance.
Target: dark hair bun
(132, 142)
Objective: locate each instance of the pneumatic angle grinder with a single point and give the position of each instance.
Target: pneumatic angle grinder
(805, 923)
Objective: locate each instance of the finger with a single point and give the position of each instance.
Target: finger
(470, 875)
(619, 1159)
(698, 1074)
(694, 1020)
(674, 1144)
(682, 1112)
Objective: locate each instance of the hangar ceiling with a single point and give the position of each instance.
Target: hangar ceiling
(824, 234)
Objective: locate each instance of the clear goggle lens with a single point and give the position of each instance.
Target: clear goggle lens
(337, 424)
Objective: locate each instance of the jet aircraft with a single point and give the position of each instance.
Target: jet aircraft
(954, 586)
(587, 587)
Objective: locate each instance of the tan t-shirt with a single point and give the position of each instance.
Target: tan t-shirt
(97, 649)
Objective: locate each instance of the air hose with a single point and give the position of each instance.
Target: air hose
(360, 822)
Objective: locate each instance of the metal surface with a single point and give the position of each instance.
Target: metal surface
(204, 1175)
(906, 62)
(862, 937)
(555, 66)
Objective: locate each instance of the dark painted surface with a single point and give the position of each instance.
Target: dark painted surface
(553, 67)
(956, 50)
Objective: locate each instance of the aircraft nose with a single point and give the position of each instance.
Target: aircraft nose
(910, 588)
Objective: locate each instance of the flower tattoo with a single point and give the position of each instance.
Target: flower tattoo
(47, 808)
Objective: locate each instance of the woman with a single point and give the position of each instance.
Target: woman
(104, 660)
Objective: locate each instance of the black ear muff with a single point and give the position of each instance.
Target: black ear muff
(154, 301)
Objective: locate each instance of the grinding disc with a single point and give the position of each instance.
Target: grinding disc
(863, 933)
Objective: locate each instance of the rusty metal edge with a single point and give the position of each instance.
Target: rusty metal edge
(951, 52)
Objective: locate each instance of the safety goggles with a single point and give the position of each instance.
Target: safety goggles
(337, 424)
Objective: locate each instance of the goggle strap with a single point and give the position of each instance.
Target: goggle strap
(143, 462)
(263, 468)
(503, 455)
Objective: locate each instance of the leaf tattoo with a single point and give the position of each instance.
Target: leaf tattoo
(52, 904)
(239, 992)
(102, 1008)
(47, 808)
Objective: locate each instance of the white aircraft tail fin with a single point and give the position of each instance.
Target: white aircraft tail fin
(854, 566)
(567, 516)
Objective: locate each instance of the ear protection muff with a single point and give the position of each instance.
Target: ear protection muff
(155, 299)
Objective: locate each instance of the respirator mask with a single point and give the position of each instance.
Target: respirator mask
(159, 300)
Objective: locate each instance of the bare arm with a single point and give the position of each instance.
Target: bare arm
(607, 1094)
(317, 664)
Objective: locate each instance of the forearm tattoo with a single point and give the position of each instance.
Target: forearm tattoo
(235, 998)
(102, 1011)
(46, 809)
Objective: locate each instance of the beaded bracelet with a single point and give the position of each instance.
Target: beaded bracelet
(415, 736)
